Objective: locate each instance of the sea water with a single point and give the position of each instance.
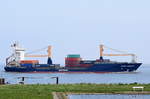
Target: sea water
(108, 96)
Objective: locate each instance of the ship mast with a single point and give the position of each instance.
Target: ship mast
(49, 61)
(101, 52)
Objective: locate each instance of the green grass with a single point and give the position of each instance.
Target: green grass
(45, 91)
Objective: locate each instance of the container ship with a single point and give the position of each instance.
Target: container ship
(73, 62)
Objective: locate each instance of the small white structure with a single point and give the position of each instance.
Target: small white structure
(18, 52)
(17, 55)
(138, 87)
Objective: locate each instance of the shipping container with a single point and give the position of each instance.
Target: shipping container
(29, 62)
(73, 59)
(73, 56)
(26, 65)
(72, 62)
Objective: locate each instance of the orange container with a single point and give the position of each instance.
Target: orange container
(29, 61)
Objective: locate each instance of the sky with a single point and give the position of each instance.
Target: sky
(76, 27)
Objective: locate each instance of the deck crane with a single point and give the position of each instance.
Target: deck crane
(49, 61)
(127, 54)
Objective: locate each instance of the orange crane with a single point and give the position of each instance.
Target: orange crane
(102, 54)
(48, 55)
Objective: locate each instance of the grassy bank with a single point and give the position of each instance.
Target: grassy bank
(45, 91)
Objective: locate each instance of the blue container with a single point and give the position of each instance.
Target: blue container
(27, 65)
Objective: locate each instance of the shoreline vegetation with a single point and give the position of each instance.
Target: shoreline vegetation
(46, 91)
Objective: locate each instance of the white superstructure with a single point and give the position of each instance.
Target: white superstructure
(17, 55)
(18, 52)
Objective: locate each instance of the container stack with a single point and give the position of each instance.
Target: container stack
(28, 63)
(72, 60)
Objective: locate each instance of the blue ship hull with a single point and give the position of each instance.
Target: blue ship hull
(102, 67)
